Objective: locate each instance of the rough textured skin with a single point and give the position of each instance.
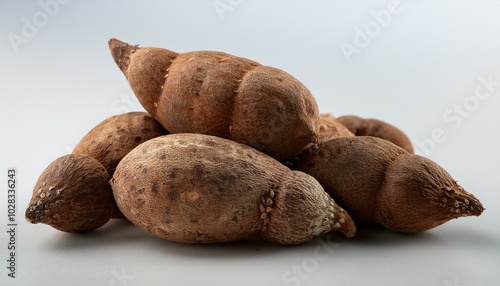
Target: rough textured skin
(378, 182)
(72, 195)
(351, 170)
(430, 197)
(197, 188)
(219, 94)
(377, 128)
(295, 208)
(330, 128)
(109, 141)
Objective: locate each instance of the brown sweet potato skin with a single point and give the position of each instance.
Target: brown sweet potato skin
(422, 195)
(199, 92)
(379, 182)
(219, 94)
(351, 170)
(195, 188)
(330, 128)
(377, 128)
(72, 194)
(109, 141)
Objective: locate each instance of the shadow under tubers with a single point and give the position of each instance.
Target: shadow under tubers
(217, 179)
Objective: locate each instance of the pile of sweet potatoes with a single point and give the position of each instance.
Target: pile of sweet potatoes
(229, 149)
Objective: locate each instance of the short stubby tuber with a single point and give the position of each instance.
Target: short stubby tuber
(195, 188)
(72, 194)
(109, 141)
(379, 182)
(219, 94)
(376, 128)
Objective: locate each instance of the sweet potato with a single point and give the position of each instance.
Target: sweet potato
(109, 141)
(379, 182)
(197, 188)
(219, 94)
(72, 194)
(330, 128)
(377, 128)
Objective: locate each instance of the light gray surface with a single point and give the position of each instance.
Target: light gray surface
(415, 72)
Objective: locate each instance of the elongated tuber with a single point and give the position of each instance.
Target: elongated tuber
(223, 95)
(379, 182)
(197, 188)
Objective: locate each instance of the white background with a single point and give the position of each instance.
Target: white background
(417, 70)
